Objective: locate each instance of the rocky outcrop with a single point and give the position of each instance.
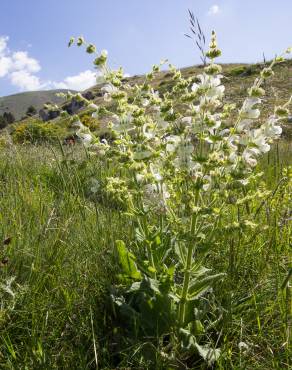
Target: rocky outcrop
(47, 115)
(73, 106)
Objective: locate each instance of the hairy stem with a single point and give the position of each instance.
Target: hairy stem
(187, 269)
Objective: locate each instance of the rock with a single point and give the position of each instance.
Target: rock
(47, 115)
(88, 95)
(73, 106)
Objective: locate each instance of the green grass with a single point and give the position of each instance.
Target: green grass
(62, 260)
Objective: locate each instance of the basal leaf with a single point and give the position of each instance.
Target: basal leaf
(127, 261)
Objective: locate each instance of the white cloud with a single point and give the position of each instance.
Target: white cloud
(82, 81)
(25, 80)
(18, 67)
(5, 65)
(21, 61)
(214, 9)
(21, 70)
(3, 43)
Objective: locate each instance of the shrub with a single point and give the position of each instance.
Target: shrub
(31, 111)
(37, 132)
(89, 121)
(243, 71)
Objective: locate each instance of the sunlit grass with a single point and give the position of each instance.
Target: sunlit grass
(61, 257)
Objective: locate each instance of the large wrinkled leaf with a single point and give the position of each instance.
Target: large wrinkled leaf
(200, 286)
(190, 344)
(199, 270)
(127, 261)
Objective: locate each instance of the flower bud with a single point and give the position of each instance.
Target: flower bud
(71, 41)
(213, 53)
(267, 72)
(213, 69)
(281, 112)
(101, 60)
(279, 59)
(256, 91)
(155, 68)
(80, 41)
(91, 49)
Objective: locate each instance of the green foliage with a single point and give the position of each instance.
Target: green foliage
(186, 176)
(244, 71)
(6, 119)
(31, 111)
(36, 132)
(89, 122)
(60, 263)
(198, 222)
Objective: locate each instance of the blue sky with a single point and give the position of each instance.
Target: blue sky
(136, 33)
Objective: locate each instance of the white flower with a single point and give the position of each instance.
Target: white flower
(155, 173)
(104, 53)
(195, 87)
(78, 124)
(233, 157)
(207, 182)
(209, 103)
(183, 158)
(244, 182)
(247, 110)
(100, 148)
(122, 124)
(139, 177)
(270, 129)
(156, 196)
(83, 133)
(154, 94)
(86, 138)
(148, 132)
(257, 138)
(210, 84)
(93, 106)
(247, 155)
(172, 143)
(142, 154)
(95, 186)
(243, 346)
(244, 124)
(145, 102)
(108, 90)
(187, 121)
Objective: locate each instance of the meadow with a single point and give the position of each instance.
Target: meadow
(60, 263)
(162, 243)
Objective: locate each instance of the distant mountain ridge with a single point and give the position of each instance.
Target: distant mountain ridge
(17, 104)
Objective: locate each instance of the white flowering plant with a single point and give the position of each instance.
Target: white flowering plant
(183, 161)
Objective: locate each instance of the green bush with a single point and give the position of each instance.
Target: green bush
(89, 121)
(35, 131)
(243, 71)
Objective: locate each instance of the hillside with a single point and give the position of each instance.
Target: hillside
(17, 104)
(237, 79)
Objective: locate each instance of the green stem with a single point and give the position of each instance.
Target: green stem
(148, 247)
(187, 269)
